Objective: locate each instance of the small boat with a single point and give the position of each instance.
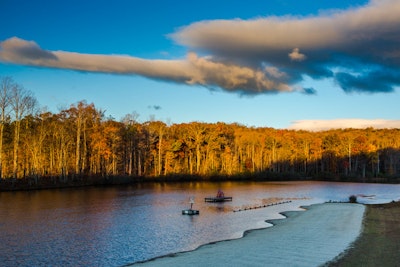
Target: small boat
(219, 198)
(190, 211)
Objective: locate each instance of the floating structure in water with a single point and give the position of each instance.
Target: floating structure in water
(262, 206)
(190, 211)
(219, 198)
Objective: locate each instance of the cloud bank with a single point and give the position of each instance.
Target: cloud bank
(192, 70)
(358, 48)
(322, 125)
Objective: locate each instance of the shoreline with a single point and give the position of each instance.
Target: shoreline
(273, 222)
(49, 183)
(379, 241)
(298, 237)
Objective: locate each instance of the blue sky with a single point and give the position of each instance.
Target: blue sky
(277, 63)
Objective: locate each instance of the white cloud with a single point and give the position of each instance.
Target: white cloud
(322, 125)
(295, 55)
(356, 40)
(192, 70)
(336, 31)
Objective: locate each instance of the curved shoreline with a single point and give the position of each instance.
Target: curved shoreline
(309, 238)
(378, 244)
(273, 222)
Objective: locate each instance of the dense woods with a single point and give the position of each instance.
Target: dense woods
(81, 143)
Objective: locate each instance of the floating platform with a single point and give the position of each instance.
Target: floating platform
(190, 212)
(217, 199)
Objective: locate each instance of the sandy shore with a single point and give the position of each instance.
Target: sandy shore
(309, 238)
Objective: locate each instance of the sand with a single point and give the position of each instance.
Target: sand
(306, 238)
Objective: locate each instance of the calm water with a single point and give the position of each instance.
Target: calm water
(122, 225)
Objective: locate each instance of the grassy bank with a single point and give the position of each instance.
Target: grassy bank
(379, 243)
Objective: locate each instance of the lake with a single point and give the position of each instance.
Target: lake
(120, 225)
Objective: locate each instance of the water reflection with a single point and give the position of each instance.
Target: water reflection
(121, 225)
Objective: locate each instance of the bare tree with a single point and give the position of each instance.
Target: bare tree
(5, 91)
(160, 128)
(130, 122)
(22, 103)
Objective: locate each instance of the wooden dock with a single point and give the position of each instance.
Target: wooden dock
(217, 199)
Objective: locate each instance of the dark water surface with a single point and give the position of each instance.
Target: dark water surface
(115, 226)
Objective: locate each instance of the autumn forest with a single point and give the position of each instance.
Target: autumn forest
(81, 143)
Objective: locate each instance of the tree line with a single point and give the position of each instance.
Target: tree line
(80, 141)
